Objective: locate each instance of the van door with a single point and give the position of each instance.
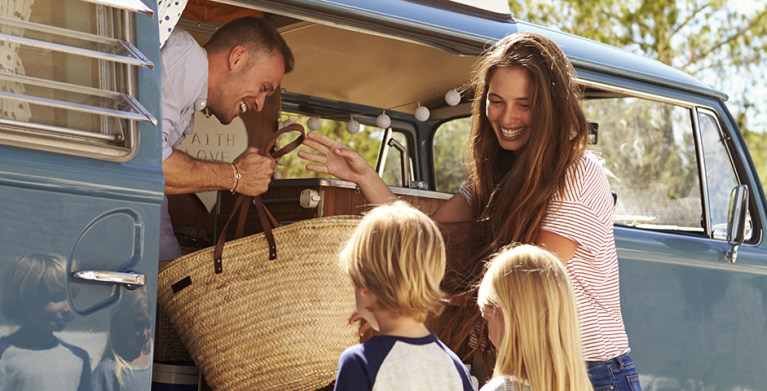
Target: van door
(695, 320)
(81, 185)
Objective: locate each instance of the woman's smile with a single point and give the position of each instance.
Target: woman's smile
(513, 132)
(508, 107)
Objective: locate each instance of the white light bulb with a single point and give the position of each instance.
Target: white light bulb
(313, 123)
(422, 113)
(452, 97)
(353, 127)
(383, 121)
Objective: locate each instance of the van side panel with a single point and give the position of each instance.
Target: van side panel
(95, 214)
(680, 299)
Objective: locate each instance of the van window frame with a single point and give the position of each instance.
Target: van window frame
(695, 108)
(123, 111)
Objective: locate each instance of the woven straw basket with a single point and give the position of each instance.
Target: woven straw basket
(265, 324)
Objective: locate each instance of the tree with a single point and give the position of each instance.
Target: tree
(710, 39)
(448, 148)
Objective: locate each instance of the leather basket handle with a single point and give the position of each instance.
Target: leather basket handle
(242, 202)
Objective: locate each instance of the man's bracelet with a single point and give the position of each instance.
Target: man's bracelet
(237, 177)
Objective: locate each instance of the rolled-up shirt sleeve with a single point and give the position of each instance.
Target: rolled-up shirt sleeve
(184, 87)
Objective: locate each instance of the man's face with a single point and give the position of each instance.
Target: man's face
(246, 86)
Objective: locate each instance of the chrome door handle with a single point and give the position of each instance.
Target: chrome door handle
(131, 280)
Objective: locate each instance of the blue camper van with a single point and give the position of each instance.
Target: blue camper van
(81, 179)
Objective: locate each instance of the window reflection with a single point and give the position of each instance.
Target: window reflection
(125, 363)
(32, 357)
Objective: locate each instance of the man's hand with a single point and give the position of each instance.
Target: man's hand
(185, 174)
(256, 172)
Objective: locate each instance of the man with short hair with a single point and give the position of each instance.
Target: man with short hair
(242, 63)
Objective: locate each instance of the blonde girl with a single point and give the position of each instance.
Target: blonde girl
(532, 321)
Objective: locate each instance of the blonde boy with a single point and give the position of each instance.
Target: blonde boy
(396, 260)
(34, 296)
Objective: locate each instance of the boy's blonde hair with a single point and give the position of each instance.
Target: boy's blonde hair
(541, 341)
(397, 253)
(31, 282)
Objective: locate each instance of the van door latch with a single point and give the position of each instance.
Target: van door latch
(130, 279)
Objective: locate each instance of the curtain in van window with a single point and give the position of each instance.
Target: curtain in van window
(10, 61)
(168, 14)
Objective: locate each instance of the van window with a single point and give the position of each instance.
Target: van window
(367, 142)
(394, 161)
(67, 78)
(650, 160)
(447, 147)
(720, 175)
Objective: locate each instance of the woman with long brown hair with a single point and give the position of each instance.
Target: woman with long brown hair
(531, 180)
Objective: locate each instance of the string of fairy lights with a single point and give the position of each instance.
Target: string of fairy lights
(383, 121)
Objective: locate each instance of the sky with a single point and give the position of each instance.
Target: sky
(746, 6)
(757, 121)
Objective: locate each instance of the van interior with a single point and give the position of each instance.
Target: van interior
(340, 74)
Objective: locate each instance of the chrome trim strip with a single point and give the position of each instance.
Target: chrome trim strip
(58, 129)
(73, 106)
(625, 255)
(69, 34)
(124, 98)
(140, 109)
(65, 144)
(58, 85)
(128, 5)
(702, 174)
(42, 183)
(635, 93)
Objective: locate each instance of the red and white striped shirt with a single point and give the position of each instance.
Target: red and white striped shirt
(584, 214)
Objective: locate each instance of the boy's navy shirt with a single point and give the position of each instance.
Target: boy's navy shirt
(388, 362)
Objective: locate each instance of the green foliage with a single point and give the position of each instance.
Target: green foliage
(692, 35)
(757, 145)
(650, 156)
(448, 143)
(367, 142)
(710, 39)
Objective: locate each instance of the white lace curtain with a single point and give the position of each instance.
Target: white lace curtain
(168, 14)
(10, 61)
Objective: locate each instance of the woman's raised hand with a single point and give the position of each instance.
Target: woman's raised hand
(334, 158)
(345, 163)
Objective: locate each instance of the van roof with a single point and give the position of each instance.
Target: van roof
(456, 27)
(495, 8)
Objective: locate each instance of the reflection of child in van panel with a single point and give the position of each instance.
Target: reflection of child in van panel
(33, 358)
(125, 364)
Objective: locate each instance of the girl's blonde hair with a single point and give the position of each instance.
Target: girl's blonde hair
(541, 342)
(398, 254)
(128, 332)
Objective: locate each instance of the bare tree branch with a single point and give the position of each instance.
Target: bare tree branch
(689, 18)
(705, 53)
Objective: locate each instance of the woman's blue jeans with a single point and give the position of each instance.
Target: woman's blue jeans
(617, 374)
